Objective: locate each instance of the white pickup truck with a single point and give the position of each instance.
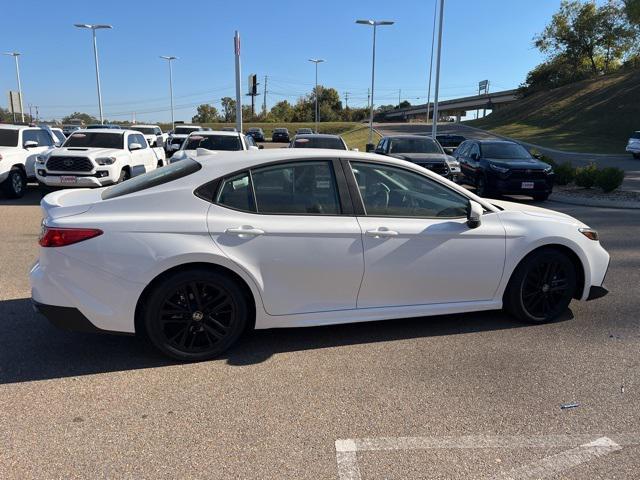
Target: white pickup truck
(19, 148)
(213, 141)
(153, 133)
(179, 135)
(98, 157)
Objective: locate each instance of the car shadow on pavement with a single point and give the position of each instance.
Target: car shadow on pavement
(32, 196)
(32, 349)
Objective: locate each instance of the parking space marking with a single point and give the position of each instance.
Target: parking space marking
(584, 448)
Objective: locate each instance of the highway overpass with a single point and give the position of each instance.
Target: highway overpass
(456, 107)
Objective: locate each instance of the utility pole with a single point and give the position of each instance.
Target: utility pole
(30, 116)
(368, 98)
(37, 114)
(169, 59)
(399, 94)
(434, 129)
(236, 43)
(264, 99)
(433, 38)
(316, 92)
(346, 100)
(15, 56)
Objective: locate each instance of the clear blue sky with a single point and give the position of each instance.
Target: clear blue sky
(482, 40)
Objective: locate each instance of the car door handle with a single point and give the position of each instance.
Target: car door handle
(381, 232)
(244, 230)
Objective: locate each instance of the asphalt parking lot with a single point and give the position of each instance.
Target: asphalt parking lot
(462, 396)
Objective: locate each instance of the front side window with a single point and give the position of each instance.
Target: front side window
(29, 136)
(388, 191)
(296, 188)
(43, 138)
(136, 138)
(95, 140)
(474, 149)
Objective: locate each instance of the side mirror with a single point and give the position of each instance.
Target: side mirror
(30, 144)
(474, 214)
(134, 146)
(260, 147)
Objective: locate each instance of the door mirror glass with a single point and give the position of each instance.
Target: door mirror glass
(474, 214)
(134, 146)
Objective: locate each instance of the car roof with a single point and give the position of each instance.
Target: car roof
(103, 130)
(133, 127)
(497, 141)
(223, 133)
(409, 136)
(10, 126)
(317, 135)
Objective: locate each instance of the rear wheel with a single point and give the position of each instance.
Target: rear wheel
(541, 287)
(195, 315)
(124, 175)
(482, 189)
(15, 184)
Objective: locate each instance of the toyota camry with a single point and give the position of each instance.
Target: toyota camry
(194, 254)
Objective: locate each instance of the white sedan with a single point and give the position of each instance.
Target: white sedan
(194, 254)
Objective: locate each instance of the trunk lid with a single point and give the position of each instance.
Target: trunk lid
(65, 203)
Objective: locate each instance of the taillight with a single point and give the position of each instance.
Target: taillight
(60, 237)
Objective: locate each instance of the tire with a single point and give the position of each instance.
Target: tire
(541, 287)
(207, 314)
(482, 190)
(541, 197)
(124, 175)
(15, 184)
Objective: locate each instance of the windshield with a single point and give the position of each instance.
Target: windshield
(96, 140)
(413, 145)
(213, 142)
(186, 130)
(145, 130)
(320, 142)
(59, 135)
(8, 138)
(504, 151)
(280, 130)
(153, 178)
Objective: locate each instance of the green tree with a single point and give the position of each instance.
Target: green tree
(228, 109)
(206, 114)
(632, 10)
(85, 117)
(281, 112)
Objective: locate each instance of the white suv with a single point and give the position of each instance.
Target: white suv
(19, 147)
(208, 141)
(153, 133)
(633, 146)
(98, 157)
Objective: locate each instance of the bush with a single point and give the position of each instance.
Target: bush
(565, 173)
(586, 176)
(610, 178)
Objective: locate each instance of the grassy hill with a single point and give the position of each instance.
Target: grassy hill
(594, 116)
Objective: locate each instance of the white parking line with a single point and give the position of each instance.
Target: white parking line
(585, 447)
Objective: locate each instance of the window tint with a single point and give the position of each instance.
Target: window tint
(414, 145)
(235, 193)
(473, 148)
(296, 188)
(29, 136)
(97, 140)
(8, 137)
(154, 178)
(213, 142)
(136, 138)
(334, 143)
(43, 138)
(504, 151)
(394, 192)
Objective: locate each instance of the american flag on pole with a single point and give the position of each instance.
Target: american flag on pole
(236, 43)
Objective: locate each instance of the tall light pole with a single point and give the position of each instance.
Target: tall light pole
(434, 128)
(15, 55)
(93, 29)
(374, 24)
(317, 61)
(433, 41)
(169, 59)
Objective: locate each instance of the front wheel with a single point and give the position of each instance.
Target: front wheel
(541, 287)
(124, 175)
(15, 184)
(195, 315)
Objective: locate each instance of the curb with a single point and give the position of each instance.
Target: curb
(593, 202)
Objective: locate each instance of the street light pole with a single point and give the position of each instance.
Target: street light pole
(374, 24)
(317, 61)
(169, 59)
(433, 41)
(93, 29)
(15, 55)
(434, 128)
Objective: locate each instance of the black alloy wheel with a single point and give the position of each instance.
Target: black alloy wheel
(542, 286)
(15, 184)
(196, 315)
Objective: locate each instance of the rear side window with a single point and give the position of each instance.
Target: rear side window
(236, 193)
(154, 178)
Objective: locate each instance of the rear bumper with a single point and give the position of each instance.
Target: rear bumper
(66, 318)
